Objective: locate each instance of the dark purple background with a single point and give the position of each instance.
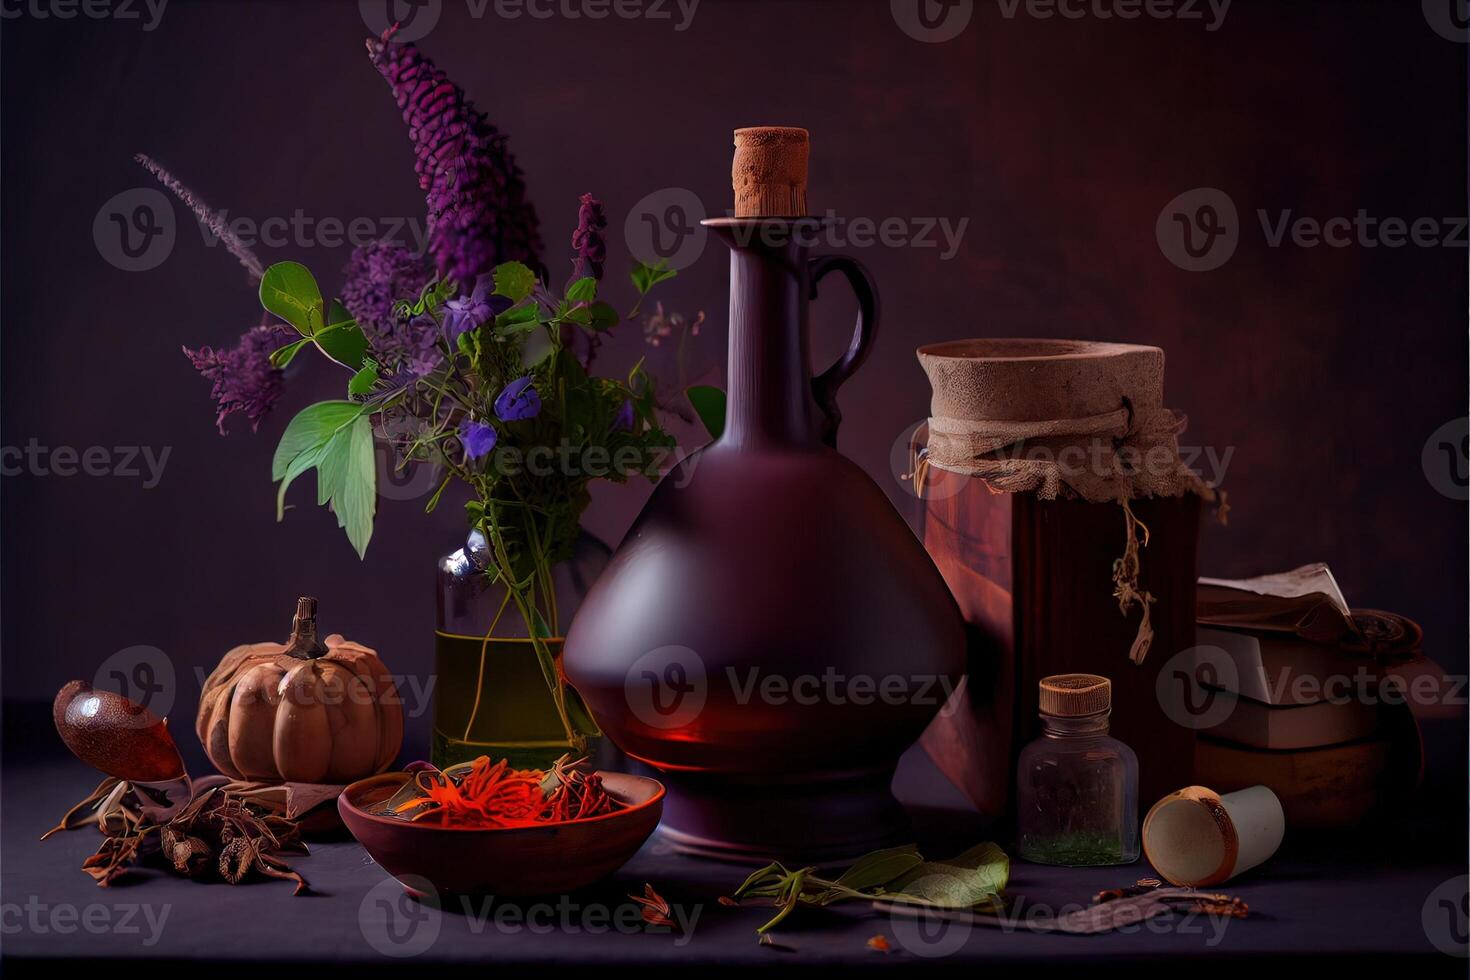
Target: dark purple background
(1324, 369)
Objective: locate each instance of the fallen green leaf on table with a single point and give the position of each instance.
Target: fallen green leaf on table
(975, 878)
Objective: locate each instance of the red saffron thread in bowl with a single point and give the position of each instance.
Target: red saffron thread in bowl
(495, 795)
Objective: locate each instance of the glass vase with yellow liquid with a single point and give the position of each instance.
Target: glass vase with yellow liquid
(490, 697)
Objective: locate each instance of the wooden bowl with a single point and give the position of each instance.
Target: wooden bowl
(505, 861)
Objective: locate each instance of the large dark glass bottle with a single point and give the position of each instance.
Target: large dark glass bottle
(764, 567)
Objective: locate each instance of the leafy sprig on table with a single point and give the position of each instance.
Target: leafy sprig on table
(976, 878)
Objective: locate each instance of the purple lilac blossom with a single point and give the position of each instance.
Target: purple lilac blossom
(408, 350)
(244, 380)
(378, 276)
(478, 438)
(518, 401)
(477, 208)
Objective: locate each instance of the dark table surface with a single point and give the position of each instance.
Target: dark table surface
(1376, 894)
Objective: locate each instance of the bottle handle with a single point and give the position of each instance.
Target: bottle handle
(825, 385)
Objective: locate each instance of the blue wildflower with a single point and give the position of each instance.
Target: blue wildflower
(478, 438)
(623, 421)
(518, 401)
(465, 313)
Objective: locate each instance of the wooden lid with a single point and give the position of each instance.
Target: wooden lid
(769, 172)
(1075, 695)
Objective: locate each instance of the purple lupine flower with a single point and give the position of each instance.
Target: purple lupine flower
(243, 378)
(465, 313)
(623, 421)
(518, 401)
(588, 243)
(477, 209)
(478, 438)
(377, 276)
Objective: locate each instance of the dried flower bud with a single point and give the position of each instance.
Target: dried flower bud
(236, 860)
(190, 856)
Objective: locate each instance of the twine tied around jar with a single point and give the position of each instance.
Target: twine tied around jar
(1115, 456)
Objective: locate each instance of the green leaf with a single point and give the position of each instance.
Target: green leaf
(975, 877)
(584, 290)
(880, 867)
(344, 343)
(709, 405)
(362, 382)
(434, 500)
(517, 320)
(514, 280)
(310, 429)
(602, 316)
(297, 465)
(645, 276)
(771, 871)
(332, 464)
(289, 290)
(282, 356)
(337, 439)
(356, 500)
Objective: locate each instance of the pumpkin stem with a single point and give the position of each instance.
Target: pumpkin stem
(303, 642)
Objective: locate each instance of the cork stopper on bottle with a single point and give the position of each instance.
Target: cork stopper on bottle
(769, 173)
(1075, 695)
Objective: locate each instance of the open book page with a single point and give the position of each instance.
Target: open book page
(1306, 602)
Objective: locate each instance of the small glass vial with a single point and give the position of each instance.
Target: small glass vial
(1076, 786)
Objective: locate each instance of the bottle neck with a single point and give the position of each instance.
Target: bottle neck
(1088, 726)
(770, 398)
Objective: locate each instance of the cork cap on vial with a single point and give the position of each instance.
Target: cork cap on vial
(1075, 695)
(769, 173)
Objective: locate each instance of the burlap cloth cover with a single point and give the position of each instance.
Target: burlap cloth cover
(1060, 418)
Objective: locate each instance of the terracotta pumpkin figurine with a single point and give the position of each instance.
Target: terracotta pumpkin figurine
(305, 711)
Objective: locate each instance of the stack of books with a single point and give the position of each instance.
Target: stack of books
(1294, 698)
